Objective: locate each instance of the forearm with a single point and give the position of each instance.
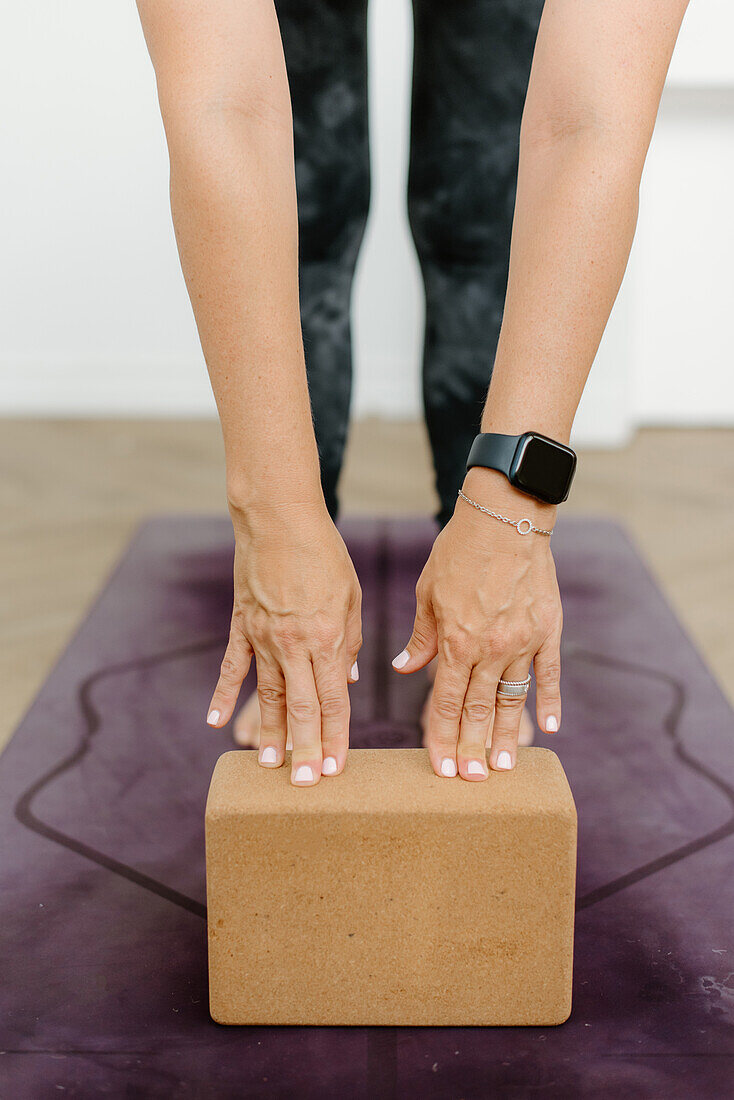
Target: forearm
(226, 109)
(235, 220)
(598, 73)
(575, 219)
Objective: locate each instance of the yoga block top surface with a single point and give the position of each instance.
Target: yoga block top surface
(390, 896)
(390, 781)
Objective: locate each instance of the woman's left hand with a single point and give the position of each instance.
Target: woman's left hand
(487, 603)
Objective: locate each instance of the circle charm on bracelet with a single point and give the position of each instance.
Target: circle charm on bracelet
(513, 689)
(522, 526)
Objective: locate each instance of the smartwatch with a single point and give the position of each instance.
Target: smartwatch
(531, 462)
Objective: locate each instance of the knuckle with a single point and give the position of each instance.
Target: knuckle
(270, 694)
(511, 705)
(477, 712)
(334, 742)
(505, 741)
(499, 642)
(505, 731)
(445, 707)
(230, 668)
(549, 701)
(444, 742)
(333, 705)
(289, 640)
(457, 647)
(420, 635)
(327, 637)
(303, 710)
(550, 669)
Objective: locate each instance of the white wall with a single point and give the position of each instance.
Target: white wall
(94, 313)
(683, 309)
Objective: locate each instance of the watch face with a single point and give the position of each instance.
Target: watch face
(543, 468)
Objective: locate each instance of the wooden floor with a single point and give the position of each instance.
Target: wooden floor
(72, 492)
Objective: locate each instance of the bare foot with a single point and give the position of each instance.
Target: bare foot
(527, 726)
(246, 731)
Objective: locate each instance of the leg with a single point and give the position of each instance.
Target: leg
(470, 75)
(325, 45)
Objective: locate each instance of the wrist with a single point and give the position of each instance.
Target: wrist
(492, 489)
(267, 516)
(513, 408)
(262, 494)
(279, 467)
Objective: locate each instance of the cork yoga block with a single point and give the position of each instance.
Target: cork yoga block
(389, 896)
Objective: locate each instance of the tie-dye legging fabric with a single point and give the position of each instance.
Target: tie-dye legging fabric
(470, 72)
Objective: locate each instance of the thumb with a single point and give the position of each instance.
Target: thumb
(235, 666)
(423, 644)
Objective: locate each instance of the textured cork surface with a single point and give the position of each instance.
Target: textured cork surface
(389, 895)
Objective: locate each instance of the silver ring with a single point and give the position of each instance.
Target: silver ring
(513, 688)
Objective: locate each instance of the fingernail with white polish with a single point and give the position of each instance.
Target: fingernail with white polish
(355, 671)
(475, 767)
(329, 766)
(268, 755)
(401, 660)
(303, 774)
(212, 718)
(448, 767)
(504, 761)
(551, 724)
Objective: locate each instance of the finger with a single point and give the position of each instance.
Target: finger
(506, 723)
(423, 644)
(273, 718)
(354, 636)
(548, 684)
(331, 687)
(476, 720)
(444, 716)
(304, 723)
(235, 666)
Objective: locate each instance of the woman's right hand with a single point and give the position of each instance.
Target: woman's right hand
(297, 610)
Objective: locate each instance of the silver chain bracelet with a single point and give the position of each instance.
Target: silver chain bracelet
(522, 526)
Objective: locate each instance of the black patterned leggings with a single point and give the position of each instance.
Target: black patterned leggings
(471, 66)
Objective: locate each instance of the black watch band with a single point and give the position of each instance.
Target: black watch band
(532, 462)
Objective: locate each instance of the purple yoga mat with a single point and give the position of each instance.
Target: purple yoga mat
(103, 786)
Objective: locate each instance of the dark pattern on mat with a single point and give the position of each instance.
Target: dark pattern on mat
(102, 876)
